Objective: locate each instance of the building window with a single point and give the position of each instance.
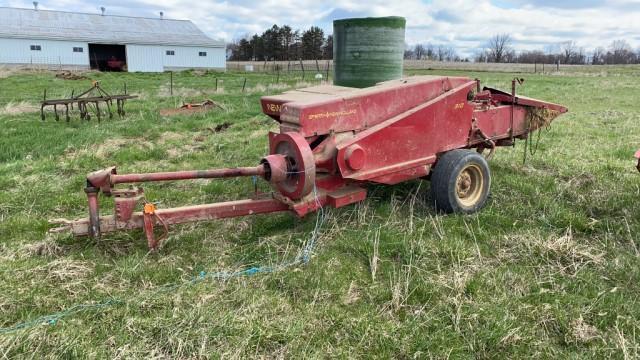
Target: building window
(78, 49)
(202, 53)
(36, 47)
(171, 52)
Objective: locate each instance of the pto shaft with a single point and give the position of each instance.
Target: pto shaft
(185, 175)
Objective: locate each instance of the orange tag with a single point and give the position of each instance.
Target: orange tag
(149, 208)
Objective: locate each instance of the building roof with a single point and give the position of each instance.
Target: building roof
(103, 29)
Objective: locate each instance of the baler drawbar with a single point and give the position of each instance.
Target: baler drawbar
(334, 140)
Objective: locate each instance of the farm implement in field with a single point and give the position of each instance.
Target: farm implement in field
(190, 108)
(91, 98)
(334, 140)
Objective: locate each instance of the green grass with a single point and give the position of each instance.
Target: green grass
(550, 268)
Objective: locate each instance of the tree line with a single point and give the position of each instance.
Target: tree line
(282, 43)
(499, 49)
(432, 52)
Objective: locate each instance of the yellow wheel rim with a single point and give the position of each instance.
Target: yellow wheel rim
(469, 185)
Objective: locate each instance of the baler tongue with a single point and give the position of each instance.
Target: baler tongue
(126, 200)
(289, 168)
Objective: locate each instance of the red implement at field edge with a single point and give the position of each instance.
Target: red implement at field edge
(334, 140)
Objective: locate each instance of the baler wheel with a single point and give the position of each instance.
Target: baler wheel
(460, 182)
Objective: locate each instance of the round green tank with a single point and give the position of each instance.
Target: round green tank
(367, 51)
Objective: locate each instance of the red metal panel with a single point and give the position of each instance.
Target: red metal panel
(359, 109)
(346, 196)
(495, 122)
(412, 139)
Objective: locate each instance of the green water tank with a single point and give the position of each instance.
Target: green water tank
(367, 50)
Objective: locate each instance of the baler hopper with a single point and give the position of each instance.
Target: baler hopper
(335, 140)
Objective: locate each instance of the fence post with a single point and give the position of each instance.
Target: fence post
(535, 67)
(302, 66)
(328, 65)
(244, 84)
(216, 84)
(171, 82)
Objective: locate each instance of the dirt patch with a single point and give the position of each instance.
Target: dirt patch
(17, 108)
(69, 75)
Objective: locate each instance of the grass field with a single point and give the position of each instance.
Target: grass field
(550, 268)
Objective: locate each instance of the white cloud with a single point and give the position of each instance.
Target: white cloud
(463, 24)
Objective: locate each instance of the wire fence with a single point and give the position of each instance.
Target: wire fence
(240, 77)
(190, 84)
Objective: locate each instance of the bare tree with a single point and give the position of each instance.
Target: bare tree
(598, 56)
(419, 51)
(408, 52)
(480, 56)
(430, 52)
(498, 46)
(567, 50)
(620, 53)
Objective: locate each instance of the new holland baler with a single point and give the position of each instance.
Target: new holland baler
(335, 140)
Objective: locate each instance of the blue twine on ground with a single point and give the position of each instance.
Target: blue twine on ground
(302, 258)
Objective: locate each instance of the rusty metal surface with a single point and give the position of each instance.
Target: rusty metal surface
(190, 108)
(177, 215)
(301, 172)
(95, 96)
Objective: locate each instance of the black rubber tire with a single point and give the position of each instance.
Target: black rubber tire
(444, 178)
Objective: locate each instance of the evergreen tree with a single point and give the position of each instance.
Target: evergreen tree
(327, 50)
(312, 41)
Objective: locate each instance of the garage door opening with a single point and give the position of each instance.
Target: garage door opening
(107, 57)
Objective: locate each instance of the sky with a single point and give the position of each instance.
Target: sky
(464, 24)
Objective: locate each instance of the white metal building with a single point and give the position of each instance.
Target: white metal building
(78, 40)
